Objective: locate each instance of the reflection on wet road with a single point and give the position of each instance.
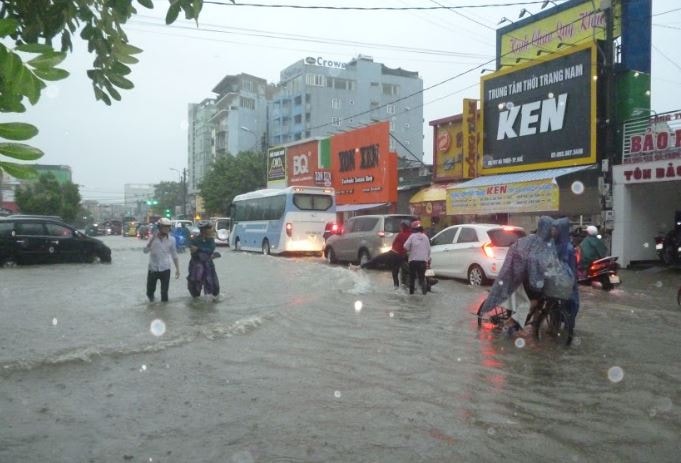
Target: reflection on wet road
(301, 361)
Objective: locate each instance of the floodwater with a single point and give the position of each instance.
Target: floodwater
(305, 362)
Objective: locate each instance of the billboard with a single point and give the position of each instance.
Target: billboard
(363, 171)
(448, 154)
(542, 115)
(276, 167)
(305, 166)
(518, 197)
(572, 23)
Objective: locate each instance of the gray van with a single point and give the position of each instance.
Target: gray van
(364, 237)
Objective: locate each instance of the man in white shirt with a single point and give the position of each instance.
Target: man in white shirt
(418, 247)
(161, 249)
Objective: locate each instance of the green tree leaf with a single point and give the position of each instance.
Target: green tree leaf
(7, 26)
(121, 82)
(20, 151)
(47, 60)
(173, 12)
(128, 49)
(18, 131)
(51, 73)
(146, 4)
(34, 48)
(22, 171)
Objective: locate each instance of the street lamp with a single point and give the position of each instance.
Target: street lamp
(255, 137)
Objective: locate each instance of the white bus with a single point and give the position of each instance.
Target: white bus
(286, 220)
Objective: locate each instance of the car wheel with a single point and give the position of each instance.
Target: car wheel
(237, 244)
(9, 263)
(364, 257)
(266, 247)
(331, 256)
(476, 275)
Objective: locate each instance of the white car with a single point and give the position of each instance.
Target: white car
(474, 252)
(221, 225)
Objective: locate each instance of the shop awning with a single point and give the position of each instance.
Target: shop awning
(430, 194)
(357, 207)
(532, 176)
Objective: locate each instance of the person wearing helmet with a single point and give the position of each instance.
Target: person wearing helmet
(418, 247)
(202, 274)
(161, 249)
(591, 248)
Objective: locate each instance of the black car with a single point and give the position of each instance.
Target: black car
(36, 240)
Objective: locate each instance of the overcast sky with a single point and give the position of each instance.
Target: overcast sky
(140, 139)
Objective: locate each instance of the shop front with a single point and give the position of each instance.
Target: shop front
(429, 205)
(646, 186)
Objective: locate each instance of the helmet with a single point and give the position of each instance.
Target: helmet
(204, 224)
(164, 222)
(416, 224)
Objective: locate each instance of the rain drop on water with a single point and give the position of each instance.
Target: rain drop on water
(391, 314)
(54, 321)
(576, 341)
(615, 374)
(458, 359)
(491, 431)
(658, 284)
(645, 245)
(143, 368)
(337, 394)
(652, 413)
(158, 327)
(520, 343)
(358, 306)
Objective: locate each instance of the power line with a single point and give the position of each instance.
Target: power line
(676, 65)
(369, 8)
(665, 12)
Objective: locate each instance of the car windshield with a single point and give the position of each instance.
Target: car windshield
(504, 237)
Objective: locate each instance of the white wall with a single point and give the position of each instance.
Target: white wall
(641, 212)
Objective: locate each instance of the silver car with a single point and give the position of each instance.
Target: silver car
(474, 252)
(364, 237)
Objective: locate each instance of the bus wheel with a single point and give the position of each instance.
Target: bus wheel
(237, 245)
(266, 247)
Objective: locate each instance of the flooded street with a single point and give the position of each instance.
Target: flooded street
(305, 362)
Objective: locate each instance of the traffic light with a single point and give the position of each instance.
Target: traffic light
(167, 213)
(152, 202)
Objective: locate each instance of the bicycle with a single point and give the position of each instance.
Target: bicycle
(550, 317)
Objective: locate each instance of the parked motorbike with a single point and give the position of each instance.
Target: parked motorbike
(601, 273)
(668, 246)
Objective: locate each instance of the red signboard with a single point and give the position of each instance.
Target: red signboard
(363, 171)
(303, 166)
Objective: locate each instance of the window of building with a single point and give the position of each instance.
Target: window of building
(340, 84)
(315, 80)
(374, 84)
(298, 136)
(391, 89)
(392, 123)
(298, 100)
(336, 121)
(335, 103)
(390, 109)
(307, 98)
(298, 118)
(247, 103)
(307, 134)
(247, 85)
(307, 117)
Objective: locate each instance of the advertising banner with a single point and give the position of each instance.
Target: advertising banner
(470, 138)
(276, 167)
(449, 147)
(363, 171)
(520, 197)
(303, 165)
(654, 138)
(572, 23)
(540, 116)
(648, 172)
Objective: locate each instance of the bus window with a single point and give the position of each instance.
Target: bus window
(310, 202)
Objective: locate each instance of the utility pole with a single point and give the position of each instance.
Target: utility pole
(610, 113)
(184, 191)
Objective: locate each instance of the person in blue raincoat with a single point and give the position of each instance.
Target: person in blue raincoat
(566, 254)
(202, 273)
(524, 265)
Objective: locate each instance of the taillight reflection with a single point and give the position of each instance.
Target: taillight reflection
(488, 250)
(289, 229)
